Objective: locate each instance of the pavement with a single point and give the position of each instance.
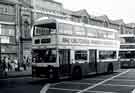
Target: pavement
(15, 74)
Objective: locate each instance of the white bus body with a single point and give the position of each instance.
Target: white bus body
(65, 48)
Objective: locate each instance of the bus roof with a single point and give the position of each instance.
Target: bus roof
(53, 20)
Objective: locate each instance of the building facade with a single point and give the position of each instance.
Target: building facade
(8, 29)
(18, 16)
(30, 11)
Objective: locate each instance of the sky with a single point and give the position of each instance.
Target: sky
(114, 9)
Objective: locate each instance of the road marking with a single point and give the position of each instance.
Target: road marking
(118, 85)
(56, 83)
(115, 79)
(69, 82)
(16, 78)
(123, 80)
(45, 88)
(65, 89)
(133, 91)
(94, 79)
(101, 92)
(95, 85)
(127, 75)
(80, 90)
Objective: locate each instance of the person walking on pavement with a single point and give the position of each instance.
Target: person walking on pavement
(9, 64)
(16, 64)
(24, 62)
(1, 69)
(4, 66)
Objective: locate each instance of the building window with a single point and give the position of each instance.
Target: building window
(78, 30)
(8, 30)
(5, 39)
(5, 10)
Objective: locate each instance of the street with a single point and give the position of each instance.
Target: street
(119, 82)
(21, 85)
(122, 81)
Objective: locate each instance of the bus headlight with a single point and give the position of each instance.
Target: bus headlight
(50, 70)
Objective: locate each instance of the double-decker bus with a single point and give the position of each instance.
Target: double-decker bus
(127, 58)
(64, 48)
(127, 51)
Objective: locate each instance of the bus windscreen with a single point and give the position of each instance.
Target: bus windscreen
(44, 56)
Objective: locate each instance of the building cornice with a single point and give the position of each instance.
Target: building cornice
(9, 2)
(8, 23)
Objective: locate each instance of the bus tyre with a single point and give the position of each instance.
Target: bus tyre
(110, 68)
(77, 73)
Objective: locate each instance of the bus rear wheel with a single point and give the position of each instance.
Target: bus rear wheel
(77, 73)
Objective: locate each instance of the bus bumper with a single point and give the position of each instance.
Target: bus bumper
(43, 72)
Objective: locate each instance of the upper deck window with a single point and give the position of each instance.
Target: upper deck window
(65, 28)
(45, 29)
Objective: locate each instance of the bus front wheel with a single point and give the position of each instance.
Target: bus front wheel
(77, 73)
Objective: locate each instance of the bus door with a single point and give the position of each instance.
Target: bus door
(92, 61)
(64, 61)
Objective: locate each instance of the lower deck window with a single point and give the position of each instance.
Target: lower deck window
(80, 55)
(127, 54)
(107, 54)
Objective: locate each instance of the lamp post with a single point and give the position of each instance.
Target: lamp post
(19, 35)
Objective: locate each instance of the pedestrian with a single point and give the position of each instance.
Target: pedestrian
(24, 62)
(9, 64)
(1, 69)
(12, 65)
(16, 64)
(4, 66)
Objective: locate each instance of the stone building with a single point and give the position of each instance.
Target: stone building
(16, 20)
(32, 10)
(18, 16)
(8, 28)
